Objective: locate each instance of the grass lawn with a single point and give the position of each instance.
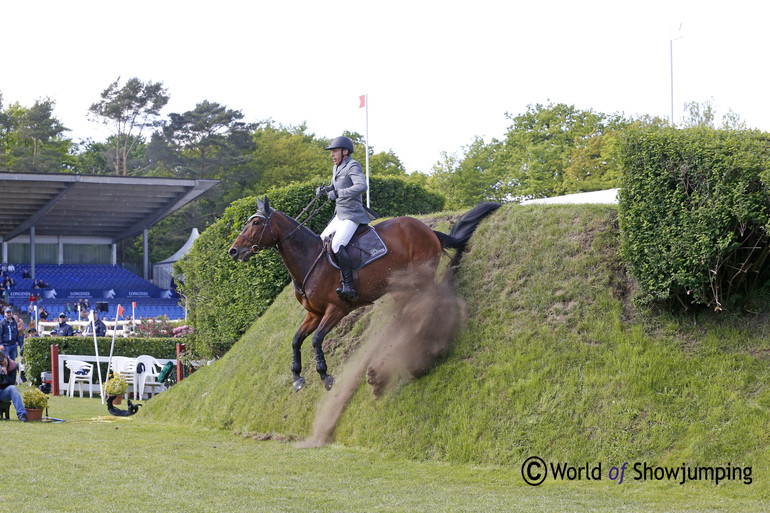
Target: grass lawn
(94, 461)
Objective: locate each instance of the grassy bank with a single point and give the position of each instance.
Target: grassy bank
(553, 362)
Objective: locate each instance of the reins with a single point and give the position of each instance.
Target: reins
(256, 246)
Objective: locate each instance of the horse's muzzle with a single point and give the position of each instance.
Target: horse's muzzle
(242, 254)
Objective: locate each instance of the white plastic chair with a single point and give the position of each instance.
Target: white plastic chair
(80, 372)
(126, 368)
(149, 377)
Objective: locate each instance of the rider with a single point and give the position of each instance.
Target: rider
(348, 184)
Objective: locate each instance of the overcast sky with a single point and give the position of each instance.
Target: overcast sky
(438, 73)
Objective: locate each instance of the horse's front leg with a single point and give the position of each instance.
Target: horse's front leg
(331, 318)
(308, 325)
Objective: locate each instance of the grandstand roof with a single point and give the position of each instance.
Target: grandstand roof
(100, 206)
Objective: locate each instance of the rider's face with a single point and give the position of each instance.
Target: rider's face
(337, 156)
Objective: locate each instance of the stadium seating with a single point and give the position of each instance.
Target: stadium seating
(110, 284)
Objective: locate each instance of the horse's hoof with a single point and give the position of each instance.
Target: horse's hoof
(328, 382)
(299, 384)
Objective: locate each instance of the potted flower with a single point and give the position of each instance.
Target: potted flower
(34, 402)
(116, 386)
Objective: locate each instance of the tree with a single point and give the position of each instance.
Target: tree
(32, 139)
(557, 149)
(385, 163)
(285, 155)
(704, 115)
(132, 107)
(202, 143)
(442, 179)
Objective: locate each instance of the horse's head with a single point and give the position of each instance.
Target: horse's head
(256, 235)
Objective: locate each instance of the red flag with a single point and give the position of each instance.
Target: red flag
(133, 304)
(120, 311)
(362, 98)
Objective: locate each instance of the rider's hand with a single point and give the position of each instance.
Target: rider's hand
(321, 190)
(332, 194)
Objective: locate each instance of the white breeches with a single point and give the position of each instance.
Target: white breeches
(341, 231)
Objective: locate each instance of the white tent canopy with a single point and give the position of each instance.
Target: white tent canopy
(609, 196)
(161, 272)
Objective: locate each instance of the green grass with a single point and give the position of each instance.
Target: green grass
(97, 462)
(553, 362)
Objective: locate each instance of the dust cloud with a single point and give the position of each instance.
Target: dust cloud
(414, 325)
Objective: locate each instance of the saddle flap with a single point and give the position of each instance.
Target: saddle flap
(365, 247)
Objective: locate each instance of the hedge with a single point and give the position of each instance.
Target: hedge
(694, 213)
(37, 351)
(225, 297)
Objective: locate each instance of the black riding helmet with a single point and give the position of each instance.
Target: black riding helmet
(342, 142)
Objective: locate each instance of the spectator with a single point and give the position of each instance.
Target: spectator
(32, 332)
(9, 339)
(8, 390)
(25, 274)
(63, 329)
(21, 327)
(43, 313)
(99, 327)
(11, 268)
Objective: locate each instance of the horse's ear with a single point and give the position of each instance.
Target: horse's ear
(260, 205)
(267, 205)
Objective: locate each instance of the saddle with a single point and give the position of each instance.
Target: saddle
(364, 247)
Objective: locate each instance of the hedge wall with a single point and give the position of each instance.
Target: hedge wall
(37, 351)
(694, 213)
(225, 297)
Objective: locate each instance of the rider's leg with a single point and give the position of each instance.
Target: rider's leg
(345, 231)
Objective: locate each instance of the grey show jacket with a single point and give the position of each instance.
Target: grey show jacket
(349, 183)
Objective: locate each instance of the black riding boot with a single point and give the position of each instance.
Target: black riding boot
(347, 289)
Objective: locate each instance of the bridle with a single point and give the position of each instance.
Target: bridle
(257, 246)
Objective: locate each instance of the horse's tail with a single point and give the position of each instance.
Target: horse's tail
(461, 232)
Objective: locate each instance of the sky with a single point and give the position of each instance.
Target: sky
(437, 73)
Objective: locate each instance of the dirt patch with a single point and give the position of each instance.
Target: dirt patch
(264, 437)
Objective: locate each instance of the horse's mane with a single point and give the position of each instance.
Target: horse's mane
(302, 227)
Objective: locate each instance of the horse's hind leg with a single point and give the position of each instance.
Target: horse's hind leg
(308, 325)
(332, 316)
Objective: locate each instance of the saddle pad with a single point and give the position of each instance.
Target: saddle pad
(364, 248)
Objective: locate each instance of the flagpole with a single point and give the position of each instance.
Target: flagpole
(114, 330)
(96, 350)
(366, 99)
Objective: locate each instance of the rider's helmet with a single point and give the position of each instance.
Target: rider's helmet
(342, 142)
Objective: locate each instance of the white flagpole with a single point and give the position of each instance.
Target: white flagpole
(366, 105)
(112, 346)
(96, 350)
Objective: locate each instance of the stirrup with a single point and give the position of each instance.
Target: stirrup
(346, 292)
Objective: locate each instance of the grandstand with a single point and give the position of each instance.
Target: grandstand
(110, 285)
(64, 229)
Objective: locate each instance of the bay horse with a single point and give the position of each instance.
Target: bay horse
(411, 246)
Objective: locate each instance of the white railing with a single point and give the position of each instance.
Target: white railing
(44, 327)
